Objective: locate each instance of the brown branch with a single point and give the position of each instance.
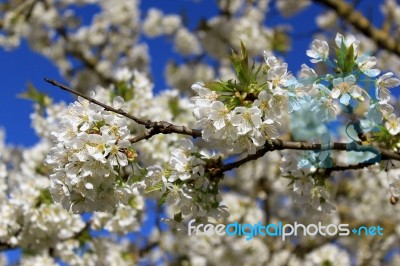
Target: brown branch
(5, 246)
(146, 249)
(349, 167)
(146, 123)
(158, 127)
(347, 12)
(277, 144)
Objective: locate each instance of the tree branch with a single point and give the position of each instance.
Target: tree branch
(154, 127)
(277, 144)
(5, 246)
(347, 12)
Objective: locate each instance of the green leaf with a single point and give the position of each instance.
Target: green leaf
(44, 198)
(84, 237)
(240, 63)
(156, 187)
(218, 86)
(173, 104)
(122, 89)
(349, 61)
(163, 199)
(34, 95)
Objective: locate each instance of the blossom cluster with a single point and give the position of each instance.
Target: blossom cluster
(189, 191)
(246, 126)
(309, 186)
(29, 219)
(337, 93)
(91, 145)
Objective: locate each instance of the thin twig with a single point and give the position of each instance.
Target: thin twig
(162, 127)
(146, 123)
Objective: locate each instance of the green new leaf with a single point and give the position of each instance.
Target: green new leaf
(345, 59)
(218, 86)
(34, 95)
(163, 199)
(174, 107)
(349, 61)
(156, 187)
(240, 63)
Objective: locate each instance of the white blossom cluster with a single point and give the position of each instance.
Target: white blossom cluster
(326, 90)
(47, 224)
(91, 145)
(141, 101)
(97, 251)
(308, 189)
(123, 221)
(246, 128)
(29, 219)
(212, 249)
(189, 191)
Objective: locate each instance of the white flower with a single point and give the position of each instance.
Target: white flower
(205, 96)
(219, 113)
(264, 103)
(348, 40)
(329, 254)
(268, 128)
(395, 187)
(245, 119)
(244, 143)
(126, 219)
(83, 114)
(97, 148)
(279, 77)
(290, 7)
(279, 102)
(266, 131)
(152, 23)
(344, 87)
(393, 124)
(202, 102)
(186, 43)
(366, 63)
(319, 51)
(324, 106)
(116, 156)
(326, 20)
(383, 84)
(38, 259)
(123, 74)
(272, 61)
(307, 76)
(171, 23)
(184, 164)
